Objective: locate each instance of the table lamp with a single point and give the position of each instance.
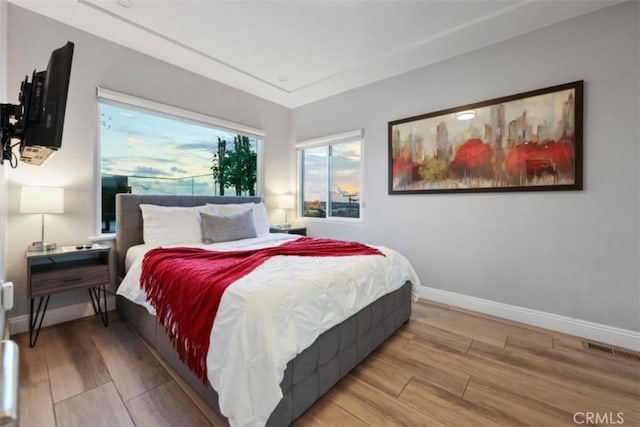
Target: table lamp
(41, 200)
(286, 202)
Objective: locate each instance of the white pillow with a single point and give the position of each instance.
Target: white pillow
(170, 225)
(260, 218)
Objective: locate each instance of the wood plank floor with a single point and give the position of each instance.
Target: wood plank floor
(445, 367)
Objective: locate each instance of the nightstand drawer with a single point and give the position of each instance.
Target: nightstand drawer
(46, 280)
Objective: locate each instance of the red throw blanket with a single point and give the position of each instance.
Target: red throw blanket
(185, 286)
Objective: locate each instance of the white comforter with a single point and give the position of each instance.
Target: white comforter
(269, 316)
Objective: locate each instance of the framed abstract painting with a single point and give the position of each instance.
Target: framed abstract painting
(531, 141)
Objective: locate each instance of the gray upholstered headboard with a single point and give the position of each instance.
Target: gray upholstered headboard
(129, 216)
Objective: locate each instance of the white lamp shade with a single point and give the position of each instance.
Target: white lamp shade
(286, 201)
(41, 200)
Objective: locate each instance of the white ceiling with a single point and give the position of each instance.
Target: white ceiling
(296, 52)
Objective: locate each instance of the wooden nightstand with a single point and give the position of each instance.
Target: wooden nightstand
(64, 269)
(291, 230)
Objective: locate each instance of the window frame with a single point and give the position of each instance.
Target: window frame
(143, 105)
(327, 141)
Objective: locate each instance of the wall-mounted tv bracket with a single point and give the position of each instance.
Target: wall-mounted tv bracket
(15, 117)
(10, 114)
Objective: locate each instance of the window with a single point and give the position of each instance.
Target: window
(150, 148)
(330, 176)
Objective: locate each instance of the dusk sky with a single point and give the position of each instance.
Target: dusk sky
(345, 171)
(137, 143)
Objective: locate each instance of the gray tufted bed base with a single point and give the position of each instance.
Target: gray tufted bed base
(311, 373)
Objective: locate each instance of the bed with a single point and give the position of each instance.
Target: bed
(313, 371)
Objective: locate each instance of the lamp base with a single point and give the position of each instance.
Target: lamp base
(41, 247)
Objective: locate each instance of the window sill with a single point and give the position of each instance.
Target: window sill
(331, 220)
(103, 237)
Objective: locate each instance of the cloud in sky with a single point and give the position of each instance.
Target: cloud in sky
(149, 171)
(179, 170)
(208, 146)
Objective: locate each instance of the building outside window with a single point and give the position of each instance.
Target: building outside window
(331, 176)
(149, 151)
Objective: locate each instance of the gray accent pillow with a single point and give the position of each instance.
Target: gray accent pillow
(218, 228)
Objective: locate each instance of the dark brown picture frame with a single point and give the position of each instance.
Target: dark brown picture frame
(531, 141)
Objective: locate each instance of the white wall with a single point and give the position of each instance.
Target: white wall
(569, 253)
(3, 99)
(98, 62)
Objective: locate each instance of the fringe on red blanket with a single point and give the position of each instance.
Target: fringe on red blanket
(185, 286)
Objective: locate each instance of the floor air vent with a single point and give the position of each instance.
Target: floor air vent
(612, 351)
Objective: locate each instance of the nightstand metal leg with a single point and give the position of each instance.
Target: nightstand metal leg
(33, 320)
(94, 293)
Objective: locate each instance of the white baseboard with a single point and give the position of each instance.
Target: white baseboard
(555, 322)
(54, 316)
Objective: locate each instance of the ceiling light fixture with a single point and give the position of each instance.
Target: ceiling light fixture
(465, 115)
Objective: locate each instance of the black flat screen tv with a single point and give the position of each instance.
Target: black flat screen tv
(44, 102)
